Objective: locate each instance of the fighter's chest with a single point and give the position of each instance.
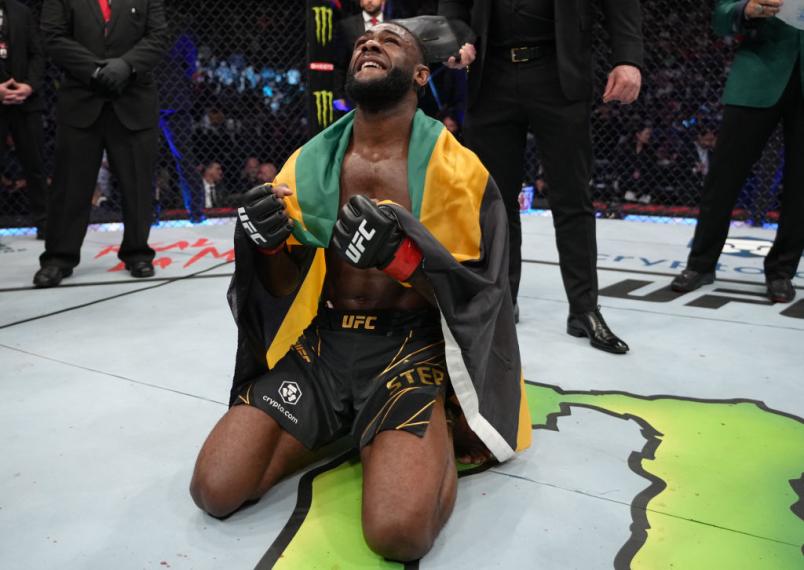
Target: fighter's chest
(379, 176)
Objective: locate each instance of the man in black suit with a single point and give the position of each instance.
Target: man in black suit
(351, 28)
(694, 160)
(532, 67)
(22, 68)
(107, 101)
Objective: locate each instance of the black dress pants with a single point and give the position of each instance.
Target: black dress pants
(513, 97)
(744, 133)
(29, 140)
(132, 156)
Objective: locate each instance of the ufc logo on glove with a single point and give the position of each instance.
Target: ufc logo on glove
(356, 248)
(249, 227)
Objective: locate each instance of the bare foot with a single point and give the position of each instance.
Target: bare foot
(469, 450)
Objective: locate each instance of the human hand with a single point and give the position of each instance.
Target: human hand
(468, 54)
(762, 8)
(5, 89)
(264, 218)
(114, 74)
(280, 191)
(365, 234)
(16, 92)
(623, 85)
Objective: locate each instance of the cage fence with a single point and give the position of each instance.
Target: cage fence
(243, 84)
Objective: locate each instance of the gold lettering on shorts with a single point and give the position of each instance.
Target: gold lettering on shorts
(358, 321)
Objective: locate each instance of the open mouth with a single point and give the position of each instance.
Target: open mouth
(368, 64)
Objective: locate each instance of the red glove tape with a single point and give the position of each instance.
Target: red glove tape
(406, 260)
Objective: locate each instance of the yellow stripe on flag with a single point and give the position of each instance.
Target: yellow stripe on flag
(524, 434)
(287, 176)
(301, 312)
(453, 190)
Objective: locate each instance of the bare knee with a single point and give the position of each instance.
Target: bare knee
(397, 536)
(214, 496)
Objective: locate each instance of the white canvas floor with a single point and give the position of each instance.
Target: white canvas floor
(109, 385)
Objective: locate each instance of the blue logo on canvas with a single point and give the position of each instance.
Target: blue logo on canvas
(747, 246)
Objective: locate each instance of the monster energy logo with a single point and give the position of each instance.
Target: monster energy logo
(323, 108)
(323, 24)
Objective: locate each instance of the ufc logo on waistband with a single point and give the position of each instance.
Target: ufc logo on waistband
(357, 321)
(247, 225)
(356, 247)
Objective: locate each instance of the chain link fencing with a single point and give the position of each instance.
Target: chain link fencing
(238, 96)
(232, 94)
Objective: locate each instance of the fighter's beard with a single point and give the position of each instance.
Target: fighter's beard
(379, 94)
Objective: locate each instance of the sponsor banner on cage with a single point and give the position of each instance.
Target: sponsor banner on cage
(322, 21)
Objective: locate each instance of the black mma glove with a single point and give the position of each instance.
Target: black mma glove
(368, 235)
(113, 75)
(264, 220)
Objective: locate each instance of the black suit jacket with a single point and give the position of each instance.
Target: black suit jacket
(573, 38)
(26, 62)
(74, 38)
(349, 29)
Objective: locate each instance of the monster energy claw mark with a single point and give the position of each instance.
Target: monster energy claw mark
(323, 24)
(323, 108)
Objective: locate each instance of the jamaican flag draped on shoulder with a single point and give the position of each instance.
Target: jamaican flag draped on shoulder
(457, 219)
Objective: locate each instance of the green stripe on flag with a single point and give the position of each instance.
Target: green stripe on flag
(318, 173)
(423, 138)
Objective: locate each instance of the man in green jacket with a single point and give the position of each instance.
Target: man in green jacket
(764, 87)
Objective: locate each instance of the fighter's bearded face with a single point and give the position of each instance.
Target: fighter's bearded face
(386, 65)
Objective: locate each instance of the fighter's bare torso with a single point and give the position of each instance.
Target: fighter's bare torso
(379, 172)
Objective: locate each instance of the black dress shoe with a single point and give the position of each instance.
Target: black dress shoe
(50, 276)
(781, 290)
(592, 325)
(689, 280)
(141, 269)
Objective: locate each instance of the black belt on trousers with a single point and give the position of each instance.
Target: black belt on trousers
(524, 53)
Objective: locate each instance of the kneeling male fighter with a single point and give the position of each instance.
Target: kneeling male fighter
(371, 296)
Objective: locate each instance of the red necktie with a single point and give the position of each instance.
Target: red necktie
(373, 21)
(105, 9)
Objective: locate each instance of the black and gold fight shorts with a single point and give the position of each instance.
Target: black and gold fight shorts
(358, 372)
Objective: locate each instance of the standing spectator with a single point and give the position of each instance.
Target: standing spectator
(534, 68)
(636, 170)
(349, 29)
(107, 101)
(352, 27)
(764, 88)
(22, 67)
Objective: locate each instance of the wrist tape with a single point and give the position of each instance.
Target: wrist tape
(406, 260)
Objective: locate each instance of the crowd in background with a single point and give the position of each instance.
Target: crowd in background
(238, 83)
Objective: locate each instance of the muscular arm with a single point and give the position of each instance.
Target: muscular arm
(422, 286)
(280, 274)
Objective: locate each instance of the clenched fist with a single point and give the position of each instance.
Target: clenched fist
(264, 219)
